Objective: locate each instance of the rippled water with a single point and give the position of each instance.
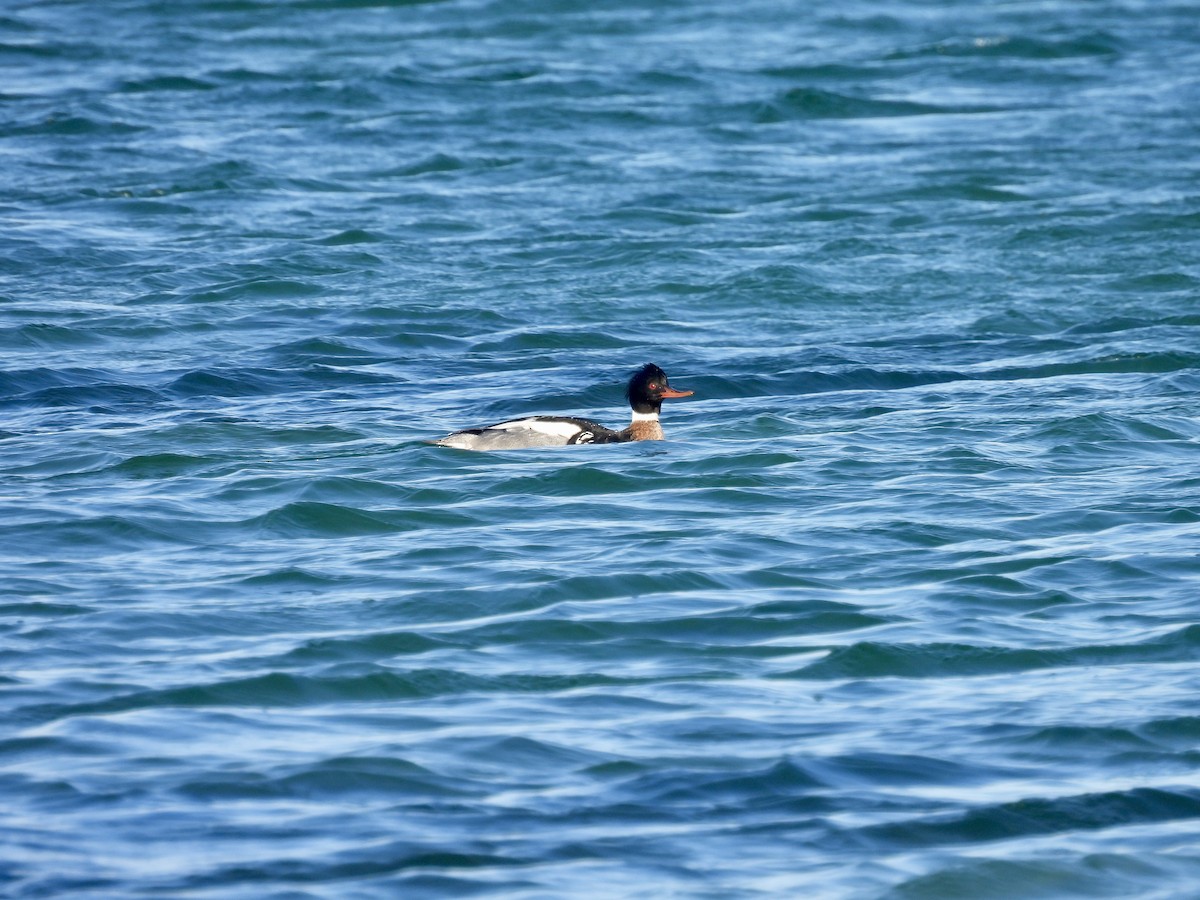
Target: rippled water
(906, 606)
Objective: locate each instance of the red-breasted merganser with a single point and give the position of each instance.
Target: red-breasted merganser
(647, 389)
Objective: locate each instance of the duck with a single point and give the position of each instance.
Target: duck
(647, 389)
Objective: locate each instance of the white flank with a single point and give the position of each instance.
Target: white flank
(549, 427)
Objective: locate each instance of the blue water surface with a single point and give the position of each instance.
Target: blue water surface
(907, 604)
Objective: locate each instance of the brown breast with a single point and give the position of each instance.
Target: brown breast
(645, 431)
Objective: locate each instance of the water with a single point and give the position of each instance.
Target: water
(906, 606)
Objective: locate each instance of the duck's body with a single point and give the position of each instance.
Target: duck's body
(647, 389)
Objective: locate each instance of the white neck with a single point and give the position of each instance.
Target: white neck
(645, 417)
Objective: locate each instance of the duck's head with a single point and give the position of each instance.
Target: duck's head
(648, 388)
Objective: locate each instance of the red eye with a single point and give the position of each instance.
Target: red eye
(653, 386)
